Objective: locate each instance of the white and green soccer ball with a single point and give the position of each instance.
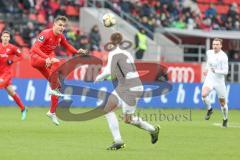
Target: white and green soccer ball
(109, 20)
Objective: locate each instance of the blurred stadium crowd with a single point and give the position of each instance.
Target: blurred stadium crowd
(183, 14)
(26, 18)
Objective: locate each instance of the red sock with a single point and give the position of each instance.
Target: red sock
(54, 103)
(18, 101)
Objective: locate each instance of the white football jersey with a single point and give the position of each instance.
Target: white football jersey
(217, 62)
(121, 70)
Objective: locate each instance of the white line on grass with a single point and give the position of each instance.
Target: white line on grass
(231, 125)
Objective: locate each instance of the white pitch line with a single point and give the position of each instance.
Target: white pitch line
(232, 125)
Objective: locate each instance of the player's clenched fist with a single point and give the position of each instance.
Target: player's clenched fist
(82, 51)
(48, 62)
(55, 60)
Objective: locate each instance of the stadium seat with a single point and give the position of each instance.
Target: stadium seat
(203, 7)
(231, 1)
(222, 9)
(72, 10)
(207, 1)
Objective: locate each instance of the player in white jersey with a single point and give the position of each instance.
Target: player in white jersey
(121, 66)
(216, 70)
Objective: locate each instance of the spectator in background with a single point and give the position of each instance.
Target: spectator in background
(140, 43)
(217, 23)
(71, 36)
(84, 42)
(191, 24)
(146, 10)
(180, 24)
(233, 11)
(126, 6)
(95, 38)
(145, 22)
(27, 33)
(211, 11)
(229, 23)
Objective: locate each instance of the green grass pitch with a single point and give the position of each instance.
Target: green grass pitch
(184, 137)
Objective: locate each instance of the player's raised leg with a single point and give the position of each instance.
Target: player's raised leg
(18, 101)
(138, 122)
(205, 98)
(40, 64)
(129, 118)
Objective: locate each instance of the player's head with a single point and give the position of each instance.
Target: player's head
(5, 37)
(59, 24)
(217, 44)
(116, 38)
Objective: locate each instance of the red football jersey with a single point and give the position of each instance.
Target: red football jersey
(47, 42)
(8, 53)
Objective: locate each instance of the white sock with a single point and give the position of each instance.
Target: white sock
(225, 111)
(207, 102)
(114, 126)
(137, 121)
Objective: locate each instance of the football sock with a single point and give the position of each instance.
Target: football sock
(18, 101)
(138, 122)
(114, 126)
(206, 101)
(225, 111)
(54, 103)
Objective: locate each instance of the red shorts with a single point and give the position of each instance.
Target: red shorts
(5, 80)
(40, 64)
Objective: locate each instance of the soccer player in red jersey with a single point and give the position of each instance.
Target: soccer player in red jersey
(8, 55)
(44, 59)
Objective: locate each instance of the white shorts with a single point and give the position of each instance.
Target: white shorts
(218, 86)
(126, 108)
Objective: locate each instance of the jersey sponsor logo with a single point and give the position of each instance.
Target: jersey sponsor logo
(41, 38)
(181, 74)
(18, 50)
(8, 49)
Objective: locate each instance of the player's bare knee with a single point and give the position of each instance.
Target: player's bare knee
(11, 92)
(204, 95)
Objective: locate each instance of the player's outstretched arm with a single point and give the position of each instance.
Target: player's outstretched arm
(107, 70)
(71, 49)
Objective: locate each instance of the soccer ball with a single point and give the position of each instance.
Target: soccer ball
(109, 20)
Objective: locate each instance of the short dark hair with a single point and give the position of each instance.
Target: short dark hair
(6, 31)
(116, 38)
(218, 39)
(61, 18)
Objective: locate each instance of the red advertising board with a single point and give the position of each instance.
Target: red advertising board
(177, 72)
(184, 72)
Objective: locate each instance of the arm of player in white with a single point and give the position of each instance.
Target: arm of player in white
(107, 69)
(207, 66)
(223, 66)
